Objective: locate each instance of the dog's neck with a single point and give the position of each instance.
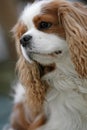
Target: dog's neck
(64, 77)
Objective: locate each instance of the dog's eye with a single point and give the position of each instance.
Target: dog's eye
(44, 25)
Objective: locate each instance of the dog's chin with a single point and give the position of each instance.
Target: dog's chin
(46, 62)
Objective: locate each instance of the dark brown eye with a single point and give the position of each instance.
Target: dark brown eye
(44, 25)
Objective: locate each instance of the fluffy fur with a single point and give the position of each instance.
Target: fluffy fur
(52, 68)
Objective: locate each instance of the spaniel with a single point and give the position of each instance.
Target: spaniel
(51, 42)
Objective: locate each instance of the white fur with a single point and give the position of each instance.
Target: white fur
(19, 93)
(67, 99)
(30, 12)
(44, 44)
(67, 95)
(7, 127)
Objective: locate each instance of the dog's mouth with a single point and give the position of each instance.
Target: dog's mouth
(45, 69)
(55, 53)
(48, 54)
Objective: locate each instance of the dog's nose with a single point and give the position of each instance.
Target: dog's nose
(25, 40)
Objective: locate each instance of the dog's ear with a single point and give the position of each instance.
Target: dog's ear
(73, 17)
(18, 30)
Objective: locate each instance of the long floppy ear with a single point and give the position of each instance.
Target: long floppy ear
(18, 30)
(73, 17)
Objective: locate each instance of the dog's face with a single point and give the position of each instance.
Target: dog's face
(47, 30)
(44, 38)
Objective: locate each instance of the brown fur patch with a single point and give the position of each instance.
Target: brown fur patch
(19, 121)
(50, 14)
(74, 20)
(29, 76)
(46, 69)
(18, 30)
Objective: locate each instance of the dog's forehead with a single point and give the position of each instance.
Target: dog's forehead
(32, 11)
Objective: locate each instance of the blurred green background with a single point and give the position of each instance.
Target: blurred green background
(9, 13)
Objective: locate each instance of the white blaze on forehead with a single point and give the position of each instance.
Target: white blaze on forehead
(30, 12)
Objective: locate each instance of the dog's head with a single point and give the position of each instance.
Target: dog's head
(47, 30)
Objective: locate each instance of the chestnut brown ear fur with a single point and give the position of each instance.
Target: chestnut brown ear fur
(18, 30)
(20, 122)
(73, 17)
(29, 76)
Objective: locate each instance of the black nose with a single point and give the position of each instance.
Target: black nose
(25, 40)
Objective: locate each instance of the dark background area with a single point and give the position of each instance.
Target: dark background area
(9, 13)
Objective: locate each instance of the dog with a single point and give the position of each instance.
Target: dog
(51, 41)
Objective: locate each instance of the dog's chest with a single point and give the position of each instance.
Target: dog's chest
(61, 81)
